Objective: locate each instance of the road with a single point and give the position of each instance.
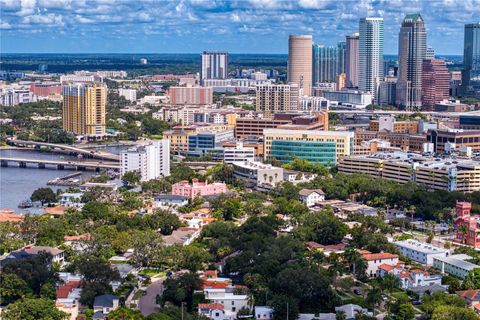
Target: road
(147, 304)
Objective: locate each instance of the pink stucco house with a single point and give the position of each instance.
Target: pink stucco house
(197, 189)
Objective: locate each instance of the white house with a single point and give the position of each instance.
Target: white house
(455, 265)
(310, 197)
(410, 278)
(263, 313)
(419, 251)
(214, 311)
(374, 260)
(103, 305)
(231, 303)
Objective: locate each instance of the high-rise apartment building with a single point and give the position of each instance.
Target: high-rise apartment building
(191, 95)
(280, 98)
(370, 62)
(152, 160)
(471, 60)
(84, 108)
(299, 68)
(351, 60)
(412, 46)
(325, 64)
(214, 65)
(435, 83)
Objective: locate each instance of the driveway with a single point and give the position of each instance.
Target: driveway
(147, 303)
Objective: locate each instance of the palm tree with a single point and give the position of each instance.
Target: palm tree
(463, 229)
(374, 296)
(351, 255)
(389, 282)
(341, 315)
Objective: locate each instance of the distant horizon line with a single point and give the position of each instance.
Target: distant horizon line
(199, 53)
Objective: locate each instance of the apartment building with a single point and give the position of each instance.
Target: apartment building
(179, 135)
(436, 173)
(276, 98)
(238, 153)
(420, 252)
(191, 95)
(455, 265)
(323, 147)
(152, 160)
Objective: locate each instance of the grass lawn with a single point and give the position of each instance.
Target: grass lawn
(152, 272)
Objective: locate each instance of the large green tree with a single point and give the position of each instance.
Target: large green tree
(44, 195)
(33, 309)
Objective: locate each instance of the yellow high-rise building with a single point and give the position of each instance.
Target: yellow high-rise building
(84, 108)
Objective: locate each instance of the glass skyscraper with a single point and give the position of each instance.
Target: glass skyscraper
(471, 60)
(327, 62)
(370, 69)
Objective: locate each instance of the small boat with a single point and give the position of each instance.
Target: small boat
(25, 204)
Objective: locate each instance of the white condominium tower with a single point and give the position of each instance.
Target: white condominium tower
(152, 160)
(214, 65)
(370, 69)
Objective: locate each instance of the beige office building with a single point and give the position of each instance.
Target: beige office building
(276, 98)
(299, 69)
(84, 108)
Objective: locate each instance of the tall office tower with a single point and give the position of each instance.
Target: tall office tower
(280, 98)
(471, 60)
(412, 47)
(370, 52)
(214, 65)
(84, 108)
(351, 60)
(325, 64)
(299, 68)
(430, 53)
(341, 48)
(152, 160)
(435, 83)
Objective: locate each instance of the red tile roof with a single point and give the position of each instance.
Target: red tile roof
(211, 306)
(212, 273)
(313, 244)
(469, 294)
(379, 256)
(10, 217)
(386, 267)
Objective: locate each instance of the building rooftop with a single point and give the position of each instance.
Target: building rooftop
(419, 246)
(340, 134)
(459, 261)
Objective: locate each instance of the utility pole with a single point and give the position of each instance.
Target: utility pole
(287, 310)
(182, 309)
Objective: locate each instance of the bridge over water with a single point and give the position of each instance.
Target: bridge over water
(59, 164)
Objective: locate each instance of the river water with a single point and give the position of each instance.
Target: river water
(17, 184)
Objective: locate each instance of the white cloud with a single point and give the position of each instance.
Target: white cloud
(63, 4)
(27, 7)
(48, 19)
(5, 25)
(234, 17)
(313, 4)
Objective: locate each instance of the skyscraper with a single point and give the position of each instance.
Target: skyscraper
(214, 65)
(299, 69)
(276, 98)
(84, 108)
(341, 47)
(325, 64)
(351, 61)
(471, 60)
(435, 82)
(412, 47)
(370, 62)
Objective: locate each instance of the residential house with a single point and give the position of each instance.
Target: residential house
(231, 302)
(263, 313)
(351, 310)
(310, 197)
(170, 201)
(214, 311)
(68, 298)
(103, 305)
(297, 177)
(410, 278)
(182, 235)
(472, 297)
(374, 260)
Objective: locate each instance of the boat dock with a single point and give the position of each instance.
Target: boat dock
(67, 181)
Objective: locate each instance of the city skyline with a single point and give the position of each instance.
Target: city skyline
(256, 26)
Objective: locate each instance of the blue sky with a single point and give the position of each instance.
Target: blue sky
(190, 26)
